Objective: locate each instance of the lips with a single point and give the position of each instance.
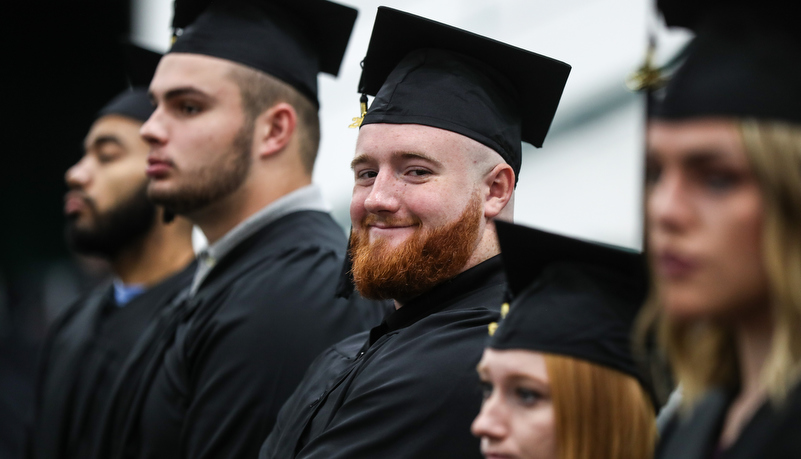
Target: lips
(75, 203)
(158, 168)
(675, 266)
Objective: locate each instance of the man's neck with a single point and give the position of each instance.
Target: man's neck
(218, 218)
(162, 252)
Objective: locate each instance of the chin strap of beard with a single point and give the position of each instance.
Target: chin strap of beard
(168, 216)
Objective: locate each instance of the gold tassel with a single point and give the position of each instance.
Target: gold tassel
(647, 76)
(494, 325)
(357, 122)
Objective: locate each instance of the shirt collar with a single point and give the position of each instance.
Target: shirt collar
(123, 294)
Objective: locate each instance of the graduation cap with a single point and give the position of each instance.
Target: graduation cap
(425, 72)
(570, 297)
(140, 65)
(292, 40)
(745, 61)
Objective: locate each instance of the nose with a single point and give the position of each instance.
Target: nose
(669, 205)
(154, 131)
(79, 175)
(384, 195)
(491, 421)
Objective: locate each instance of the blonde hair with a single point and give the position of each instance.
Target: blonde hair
(599, 413)
(702, 353)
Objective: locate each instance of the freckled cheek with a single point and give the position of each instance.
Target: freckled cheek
(357, 211)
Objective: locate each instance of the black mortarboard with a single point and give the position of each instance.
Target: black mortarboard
(140, 65)
(429, 73)
(744, 62)
(292, 40)
(570, 297)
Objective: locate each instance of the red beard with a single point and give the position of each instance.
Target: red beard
(428, 258)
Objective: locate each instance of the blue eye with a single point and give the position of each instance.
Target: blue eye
(527, 396)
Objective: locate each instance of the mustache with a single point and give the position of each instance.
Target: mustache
(78, 194)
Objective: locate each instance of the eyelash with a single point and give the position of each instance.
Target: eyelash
(527, 396)
(719, 180)
(103, 157)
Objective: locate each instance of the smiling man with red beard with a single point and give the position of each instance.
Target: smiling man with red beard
(436, 162)
(109, 216)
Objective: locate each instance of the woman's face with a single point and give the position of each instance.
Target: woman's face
(516, 418)
(704, 219)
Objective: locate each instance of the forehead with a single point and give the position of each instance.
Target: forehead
(205, 73)
(382, 140)
(703, 134)
(513, 362)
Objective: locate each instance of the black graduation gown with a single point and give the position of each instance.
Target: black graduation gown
(81, 358)
(406, 389)
(224, 361)
(770, 434)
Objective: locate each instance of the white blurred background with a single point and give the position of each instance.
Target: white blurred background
(586, 181)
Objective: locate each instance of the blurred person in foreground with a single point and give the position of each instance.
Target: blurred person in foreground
(233, 141)
(108, 215)
(558, 375)
(723, 219)
(436, 162)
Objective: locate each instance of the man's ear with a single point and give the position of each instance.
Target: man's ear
(274, 128)
(501, 183)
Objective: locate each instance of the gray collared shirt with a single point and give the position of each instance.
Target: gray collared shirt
(306, 198)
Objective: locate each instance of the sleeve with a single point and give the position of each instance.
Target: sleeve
(248, 357)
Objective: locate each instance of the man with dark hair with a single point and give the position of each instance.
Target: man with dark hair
(108, 215)
(436, 162)
(232, 141)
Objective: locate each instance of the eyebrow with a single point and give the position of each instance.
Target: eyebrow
(698, 157)
(701, 157)
(179, 92)
(364, 158)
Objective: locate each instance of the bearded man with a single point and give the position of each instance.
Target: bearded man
(108, 215)
(233, 140)
(436, 162)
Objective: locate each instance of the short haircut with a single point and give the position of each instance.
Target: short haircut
(599, 413)
(261, 91)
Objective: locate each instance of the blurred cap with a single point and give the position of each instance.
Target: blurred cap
(425, 72)
(140, 65)
(570, 297)
(745, 62)
(292, 40)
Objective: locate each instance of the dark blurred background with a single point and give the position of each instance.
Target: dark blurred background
(61, 63)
